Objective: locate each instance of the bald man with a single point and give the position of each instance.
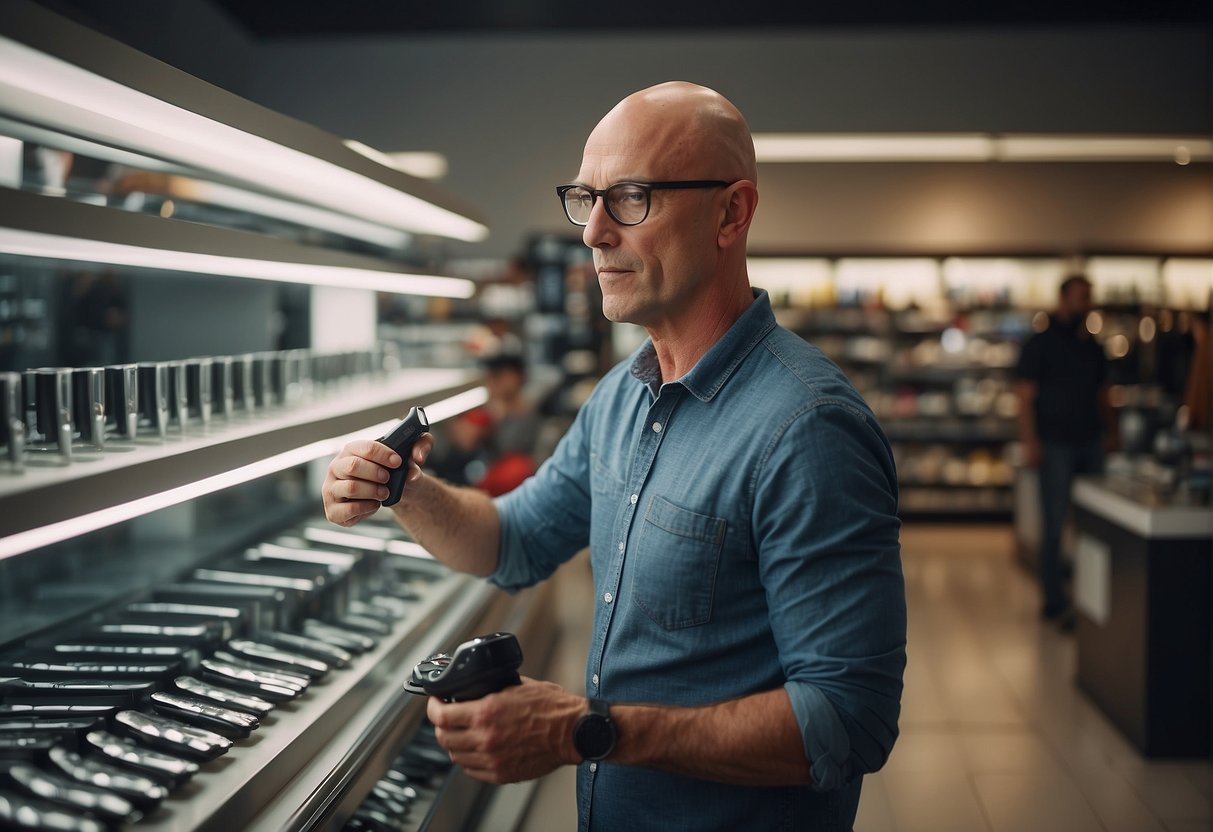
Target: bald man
(739, 501)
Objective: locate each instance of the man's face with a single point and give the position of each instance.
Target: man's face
(1076, 302)
(648, 271)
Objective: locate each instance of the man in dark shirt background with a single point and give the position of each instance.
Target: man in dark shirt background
(1065, 424)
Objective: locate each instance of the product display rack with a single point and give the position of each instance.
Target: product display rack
(205, 494)
(941, 386)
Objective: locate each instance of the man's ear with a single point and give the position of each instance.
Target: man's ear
(738, 213)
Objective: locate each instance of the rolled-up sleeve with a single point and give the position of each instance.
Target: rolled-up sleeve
(826, 533)
(546, 520)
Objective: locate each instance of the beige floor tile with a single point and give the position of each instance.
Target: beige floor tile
(1166, 790)
(933, 801)
(1184, 826)
(1116, 803)
(1009, 752)
(1200, 775)
(925, 750)
(875, 813)
(1034, 803)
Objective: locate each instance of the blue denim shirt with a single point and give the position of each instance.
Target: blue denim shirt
(743, 530)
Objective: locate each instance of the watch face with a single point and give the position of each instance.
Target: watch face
(595, 736)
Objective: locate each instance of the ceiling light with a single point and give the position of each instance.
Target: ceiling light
(57, 247)
(872, 147)
(423, 165)
(1104, 148)
(976, 147)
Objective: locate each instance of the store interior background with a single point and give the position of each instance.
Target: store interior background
(995, 735)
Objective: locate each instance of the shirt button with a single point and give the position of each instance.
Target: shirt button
(634, 498)
(608, 597)
(593, 767)
(657, 427)
(594, 679)
(621, 545)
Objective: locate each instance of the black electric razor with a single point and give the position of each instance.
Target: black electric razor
(401, 440)
(481, 666)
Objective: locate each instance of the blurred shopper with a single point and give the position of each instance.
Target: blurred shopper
(1198, 392)
(491, 447)
(740, 505)
(1065, 425)
(513, 424)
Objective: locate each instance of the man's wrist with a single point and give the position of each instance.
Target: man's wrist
(595, 733)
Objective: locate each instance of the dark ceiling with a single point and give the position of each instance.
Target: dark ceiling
(295, 18)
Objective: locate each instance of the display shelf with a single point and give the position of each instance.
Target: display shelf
(48, 491)
(58, 228)
(942, 501)
(63, 529)
(357, 703)
(62, 76)
(933, 430)
(926, 374)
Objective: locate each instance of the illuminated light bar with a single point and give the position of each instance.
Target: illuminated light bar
(423, 165)
(45, 90)
(83, 524)
(211, 193)
(1178, 149)
(977, 147)
(858, 147)
(53, 246)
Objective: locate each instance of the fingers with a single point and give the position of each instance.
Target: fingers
(450, 715)
(421, 450)
(349, 513)
(354, 483)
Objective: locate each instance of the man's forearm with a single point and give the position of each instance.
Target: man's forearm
(753, 741)
(458, 526)
(1026, 417)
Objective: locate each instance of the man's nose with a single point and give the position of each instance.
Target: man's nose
(600, 231)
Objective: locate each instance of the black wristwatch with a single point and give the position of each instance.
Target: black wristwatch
(595, 734)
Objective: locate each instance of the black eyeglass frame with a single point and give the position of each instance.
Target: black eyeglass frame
(647, 187)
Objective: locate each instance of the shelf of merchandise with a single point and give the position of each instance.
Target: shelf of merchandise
(876, 350)
(318, 757)
(49, 491)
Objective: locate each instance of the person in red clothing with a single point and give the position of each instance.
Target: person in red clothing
(492, 447)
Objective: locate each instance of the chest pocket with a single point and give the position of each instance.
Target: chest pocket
(677, 557)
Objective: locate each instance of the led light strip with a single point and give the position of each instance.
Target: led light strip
(26, 541)
(37, 244)
(45, 90)
(978, 147)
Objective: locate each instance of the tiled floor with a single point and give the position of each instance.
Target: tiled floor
(994, 735)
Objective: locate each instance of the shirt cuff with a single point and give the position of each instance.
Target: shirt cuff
(826, 743)
(511, 573)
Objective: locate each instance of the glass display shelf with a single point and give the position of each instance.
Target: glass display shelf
(49, 491)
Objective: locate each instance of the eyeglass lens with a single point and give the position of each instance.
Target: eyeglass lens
(627, 203)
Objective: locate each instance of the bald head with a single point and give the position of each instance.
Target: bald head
(677, 130)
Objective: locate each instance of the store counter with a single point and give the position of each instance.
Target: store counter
(1142, 591)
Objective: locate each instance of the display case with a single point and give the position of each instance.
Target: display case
(932, 343)
(941, 385)
(185, 642)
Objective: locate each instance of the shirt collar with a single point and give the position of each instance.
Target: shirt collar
(712, 370)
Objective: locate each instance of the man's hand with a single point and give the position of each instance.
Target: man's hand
(356, 479)
(519, 733)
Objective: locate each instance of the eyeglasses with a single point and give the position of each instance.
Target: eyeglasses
(627, 203)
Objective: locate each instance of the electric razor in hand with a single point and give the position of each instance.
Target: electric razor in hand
(481, 666)
(401, 440)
